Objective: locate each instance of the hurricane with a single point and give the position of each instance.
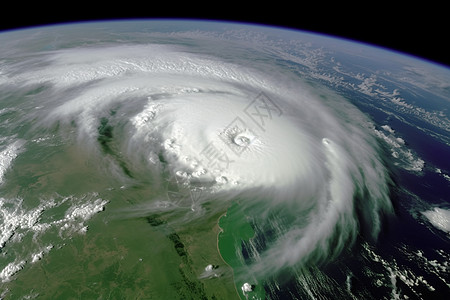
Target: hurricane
(208, 130)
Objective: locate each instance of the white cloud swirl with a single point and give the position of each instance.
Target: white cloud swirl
(290, 153)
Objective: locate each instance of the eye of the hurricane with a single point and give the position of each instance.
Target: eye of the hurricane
(242, 140)
(238, 137)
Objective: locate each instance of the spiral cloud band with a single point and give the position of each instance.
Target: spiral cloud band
(296, 157)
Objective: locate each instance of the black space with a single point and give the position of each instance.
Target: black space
(419, 30)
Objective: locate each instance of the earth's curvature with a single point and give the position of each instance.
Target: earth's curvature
(209, 160)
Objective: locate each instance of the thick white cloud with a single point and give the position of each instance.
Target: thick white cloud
(439, 218)
(296, 153)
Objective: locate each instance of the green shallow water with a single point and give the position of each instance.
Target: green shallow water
(235, 230)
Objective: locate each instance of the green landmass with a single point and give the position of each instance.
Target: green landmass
(120, 257)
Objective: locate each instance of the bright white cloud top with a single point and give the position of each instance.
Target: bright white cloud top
(301, 156)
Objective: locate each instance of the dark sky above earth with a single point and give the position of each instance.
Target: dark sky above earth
(418, 30)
